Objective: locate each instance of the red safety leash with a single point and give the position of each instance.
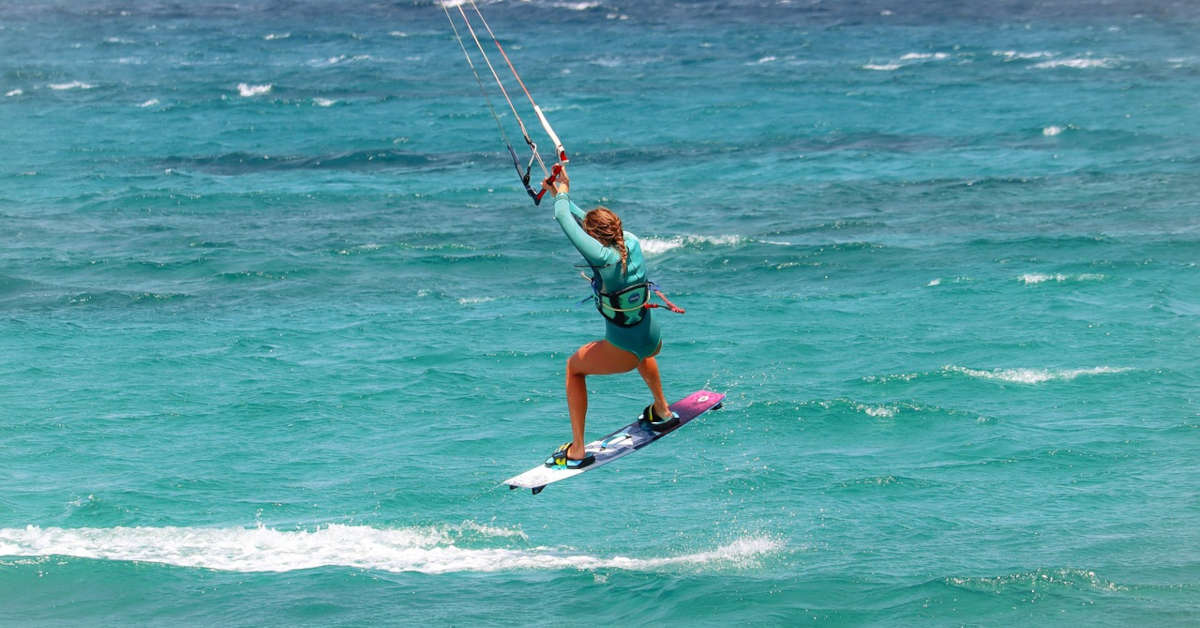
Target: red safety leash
(670, 306)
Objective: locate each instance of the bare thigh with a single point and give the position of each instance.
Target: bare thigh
(601, 358)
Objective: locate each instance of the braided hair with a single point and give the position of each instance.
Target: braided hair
(604, 225)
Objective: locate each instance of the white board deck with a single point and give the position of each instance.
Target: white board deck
(619, 443)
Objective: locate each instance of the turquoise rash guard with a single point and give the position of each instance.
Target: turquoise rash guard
(642, 339)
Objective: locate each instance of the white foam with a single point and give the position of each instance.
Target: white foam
(370, 246)
(493, 531)
(429, 550)
(324, 102)
(475, 300)
(1036, 278)
(934, 282)
(879, 412)
(1078, 63)
(246, 90)
(340, 59)
(654, 246)
(149, 103)
(1031, 580)
(576, 6)
(274, 36)
(71, 85)
(608, 62)
(921, 56)
(1032, 376)
(14, 92)
(1013, 55)
(1051, 131)
(883, 67)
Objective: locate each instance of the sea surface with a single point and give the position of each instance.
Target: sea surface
(277, 317)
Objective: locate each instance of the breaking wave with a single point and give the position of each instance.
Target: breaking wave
(655, 246)
(432, 550)
(1032, 376)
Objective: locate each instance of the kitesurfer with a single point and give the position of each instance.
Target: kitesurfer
(631, 335)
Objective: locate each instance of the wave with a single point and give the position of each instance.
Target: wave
(339, 59)
(353, 250)
(120, 298)
(242, 163)
(656, 246)
(14, 285)
(570, 6)
(1011, 375)
(431, 550)
(1052, 130)
(14, 92)
(906, 59)
(1036, 278)
(880, 481)
(1013, 55)
(1031, 375)
(576, 6)
(891, 410)
(1044, 60)
(1077, 63)
(71, 85)
(1034, 580)
(246, 90)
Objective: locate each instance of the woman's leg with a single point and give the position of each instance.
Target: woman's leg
(648, 369)
(595, 358)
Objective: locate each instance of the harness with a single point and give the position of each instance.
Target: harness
(627, 306)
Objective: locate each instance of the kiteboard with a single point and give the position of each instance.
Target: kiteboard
(620, 443)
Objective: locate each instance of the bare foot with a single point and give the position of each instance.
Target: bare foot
(579, 454)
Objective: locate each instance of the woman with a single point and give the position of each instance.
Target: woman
(631, 336)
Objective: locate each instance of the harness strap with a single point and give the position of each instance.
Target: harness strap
(651, 287)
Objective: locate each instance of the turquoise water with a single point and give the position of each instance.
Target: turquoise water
(276, 318)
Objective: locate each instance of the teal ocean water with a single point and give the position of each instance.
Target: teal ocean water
(277, 319)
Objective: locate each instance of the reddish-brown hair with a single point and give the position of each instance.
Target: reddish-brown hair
(604, 225)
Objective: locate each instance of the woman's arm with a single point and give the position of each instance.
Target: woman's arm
(564, 212)
(569, 215)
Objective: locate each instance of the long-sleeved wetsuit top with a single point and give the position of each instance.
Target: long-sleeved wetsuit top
(643, 338)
